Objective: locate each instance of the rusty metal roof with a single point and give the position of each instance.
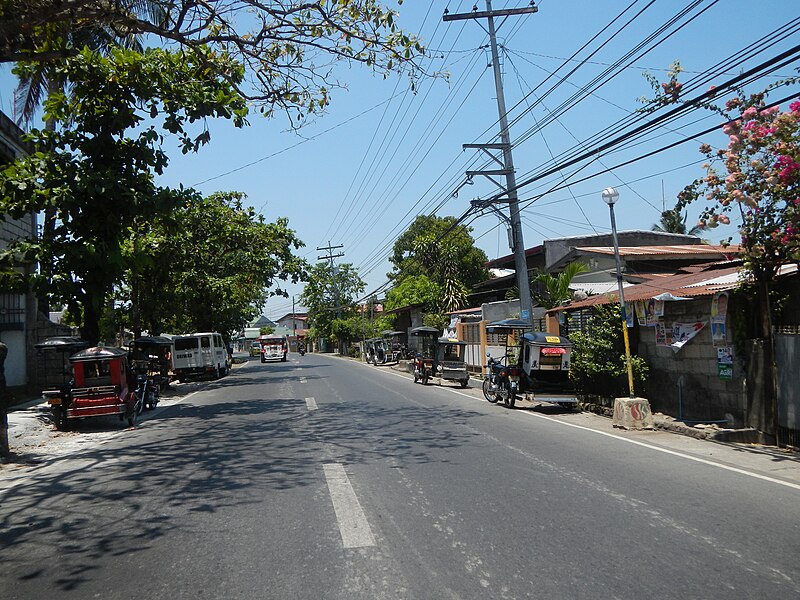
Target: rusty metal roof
(715, 278)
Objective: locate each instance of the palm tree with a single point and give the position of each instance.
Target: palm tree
(554, 289)
(672, 222)
(40, 78)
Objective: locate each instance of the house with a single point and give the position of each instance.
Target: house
(688, 327)
(552, 255)
(295, 326)
(19, 319)
(294, 321)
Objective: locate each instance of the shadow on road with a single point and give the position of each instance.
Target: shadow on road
(68, 520)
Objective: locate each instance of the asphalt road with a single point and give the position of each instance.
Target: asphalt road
(322, 478)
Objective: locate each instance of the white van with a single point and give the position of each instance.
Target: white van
(199, 354)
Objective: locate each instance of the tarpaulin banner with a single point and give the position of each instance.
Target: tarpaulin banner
(683, 332)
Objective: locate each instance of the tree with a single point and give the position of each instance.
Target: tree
(286, 48)
(420, 249)
(40, 78)
(757, 179)
(673, 222)
(97, 169)
(554, 289)
(414, 289)
(598, 356)
(436, 256)
(210, 265)
(329, 295)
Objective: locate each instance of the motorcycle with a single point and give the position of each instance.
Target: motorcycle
(501, 382)
(301, 350)
(146, 392)
(422, 371)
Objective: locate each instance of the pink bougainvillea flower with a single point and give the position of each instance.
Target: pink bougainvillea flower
(750, 112)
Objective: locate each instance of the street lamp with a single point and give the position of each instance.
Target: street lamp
(610, 197)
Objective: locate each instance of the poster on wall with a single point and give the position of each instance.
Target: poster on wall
(719, 312)
(641, 313)
(719, 307)
(663, 334)
(450, 331)
(682, 333)
(651, 317)
(725, 356)
(724, 372)
(718, 334)
(629, 310)
(724, 363)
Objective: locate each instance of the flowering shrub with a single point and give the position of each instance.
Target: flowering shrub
(758, 175)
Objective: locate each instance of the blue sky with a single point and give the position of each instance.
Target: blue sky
(358, 175)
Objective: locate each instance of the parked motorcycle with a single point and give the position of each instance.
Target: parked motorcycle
(422, 370)
(146, 392)
(501, 382)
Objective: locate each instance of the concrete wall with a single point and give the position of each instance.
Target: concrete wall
(686, 383)
(557, 249)
(497, 311)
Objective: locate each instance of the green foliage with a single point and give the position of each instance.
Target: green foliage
(437, 320)
(436, 263)
(324, 298)
(210, 265)
(414, 289)
(423, 249)
(95, 170)
(598, 356)
(266, 330)
(672, 221)
(288, 47)
(553, 290)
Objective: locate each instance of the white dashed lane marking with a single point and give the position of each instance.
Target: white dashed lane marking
(350, 517)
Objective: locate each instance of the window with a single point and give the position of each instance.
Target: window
(187, 343)
(205, 342)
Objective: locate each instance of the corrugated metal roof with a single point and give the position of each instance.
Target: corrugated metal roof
(661, 251)
(714, 279)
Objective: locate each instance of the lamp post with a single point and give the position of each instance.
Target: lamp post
(610, 197)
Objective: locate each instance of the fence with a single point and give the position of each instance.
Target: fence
(787, 359)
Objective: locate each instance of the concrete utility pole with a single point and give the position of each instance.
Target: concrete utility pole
(507, 163)
(330, 256)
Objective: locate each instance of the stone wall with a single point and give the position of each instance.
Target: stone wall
(686, 384)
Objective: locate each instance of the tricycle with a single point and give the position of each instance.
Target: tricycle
(537, 366)
(369, 350)
(423, 341)
(449, 363)
(393, 343)
(100, 385)
(151, 356)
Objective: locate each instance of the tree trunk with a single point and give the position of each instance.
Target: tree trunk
(90, 329)
(762, 399)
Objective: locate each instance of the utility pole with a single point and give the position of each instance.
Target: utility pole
(330, 256)
(517, 244)
(294, 324)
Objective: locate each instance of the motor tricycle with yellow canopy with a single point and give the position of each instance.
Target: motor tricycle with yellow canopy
(536, 368)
